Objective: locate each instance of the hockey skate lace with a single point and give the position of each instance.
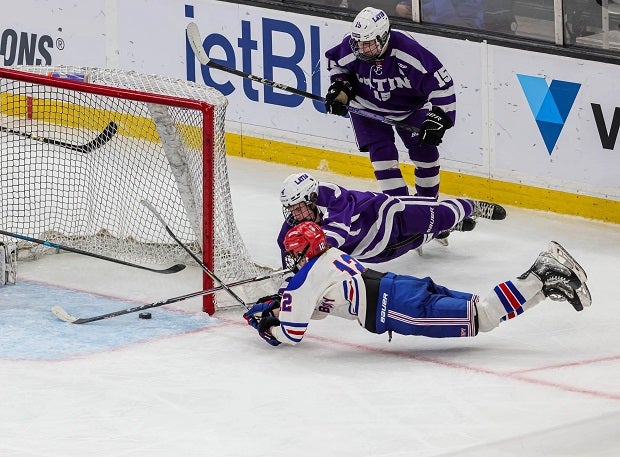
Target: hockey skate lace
(558, 284)
(484, 210)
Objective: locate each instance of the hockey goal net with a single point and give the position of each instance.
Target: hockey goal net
(81, 147)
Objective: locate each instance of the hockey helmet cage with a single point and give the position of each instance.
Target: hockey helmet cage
(298, 187)
(371, 24)
(306, 239)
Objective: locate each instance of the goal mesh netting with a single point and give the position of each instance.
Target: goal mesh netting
(76, 159)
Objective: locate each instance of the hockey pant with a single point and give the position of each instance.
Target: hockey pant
(417, 306)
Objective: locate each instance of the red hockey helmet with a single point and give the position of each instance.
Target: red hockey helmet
(306, 239)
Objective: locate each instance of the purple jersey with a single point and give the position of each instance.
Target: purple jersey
(407, 78)
(375, 227)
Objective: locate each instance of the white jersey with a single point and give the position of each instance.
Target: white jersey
(329, 284)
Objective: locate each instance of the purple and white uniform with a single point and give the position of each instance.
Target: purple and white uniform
(404, 84)
(336, 284)
(375, 227)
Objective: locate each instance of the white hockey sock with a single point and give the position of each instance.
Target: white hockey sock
(507, 300)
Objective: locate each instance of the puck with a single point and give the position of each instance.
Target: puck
(144, 315)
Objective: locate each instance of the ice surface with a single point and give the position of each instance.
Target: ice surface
(183, 384)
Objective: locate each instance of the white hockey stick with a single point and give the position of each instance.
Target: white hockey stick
(195, 41)
(62, 314)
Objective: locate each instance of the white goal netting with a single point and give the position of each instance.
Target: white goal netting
(76, 159)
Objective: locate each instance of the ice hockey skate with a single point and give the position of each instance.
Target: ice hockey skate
(487, 210)
(466, 225)
(562, 277)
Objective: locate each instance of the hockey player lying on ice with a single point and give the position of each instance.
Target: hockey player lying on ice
(329, 282)
(375, 227)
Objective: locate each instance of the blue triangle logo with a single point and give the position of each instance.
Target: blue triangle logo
(550, 105)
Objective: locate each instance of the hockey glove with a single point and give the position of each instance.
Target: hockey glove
(260, 309)
(338, 96)
(434, 126)
(270, 298)
(264, 325)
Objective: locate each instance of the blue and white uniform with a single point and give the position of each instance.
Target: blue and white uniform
(336, 284)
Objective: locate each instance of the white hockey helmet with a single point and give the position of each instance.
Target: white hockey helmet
(371, 26)
(298, 187)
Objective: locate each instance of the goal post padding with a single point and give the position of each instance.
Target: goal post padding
(81, 147)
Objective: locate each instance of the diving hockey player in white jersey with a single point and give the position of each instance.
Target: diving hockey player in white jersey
(329, 282)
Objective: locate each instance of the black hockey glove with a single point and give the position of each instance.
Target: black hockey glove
(270, 298)
(434, 127)
(338, 97)
(261, 317)
(265, 323)
(262, 308)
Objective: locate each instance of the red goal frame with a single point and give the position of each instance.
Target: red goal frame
(208, 134)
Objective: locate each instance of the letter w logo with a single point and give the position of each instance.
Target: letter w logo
(550, 105)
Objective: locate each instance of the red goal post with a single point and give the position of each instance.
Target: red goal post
(81, 147)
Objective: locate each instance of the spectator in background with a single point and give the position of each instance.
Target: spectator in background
(403, 9)
(463, 13)
(469, 13)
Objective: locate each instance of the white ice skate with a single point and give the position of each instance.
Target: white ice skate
(562, 277)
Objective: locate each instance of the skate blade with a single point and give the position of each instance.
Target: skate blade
(584, 295)
(565, 258)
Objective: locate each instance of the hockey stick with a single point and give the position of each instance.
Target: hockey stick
(192, 255)
(390, 248)
(195, 41)
(62, 314)
(173, 269)
(106, 135)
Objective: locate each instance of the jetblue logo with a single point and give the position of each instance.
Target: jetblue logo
(23, 48)
(550, 105)
(265, 34)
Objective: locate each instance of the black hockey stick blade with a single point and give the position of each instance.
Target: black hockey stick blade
(195, 41)
(63, 315)
(106, 135)
(173, 269)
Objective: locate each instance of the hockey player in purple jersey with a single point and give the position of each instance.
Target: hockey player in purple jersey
(389, 73)
(328, 281)
(375, 227)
